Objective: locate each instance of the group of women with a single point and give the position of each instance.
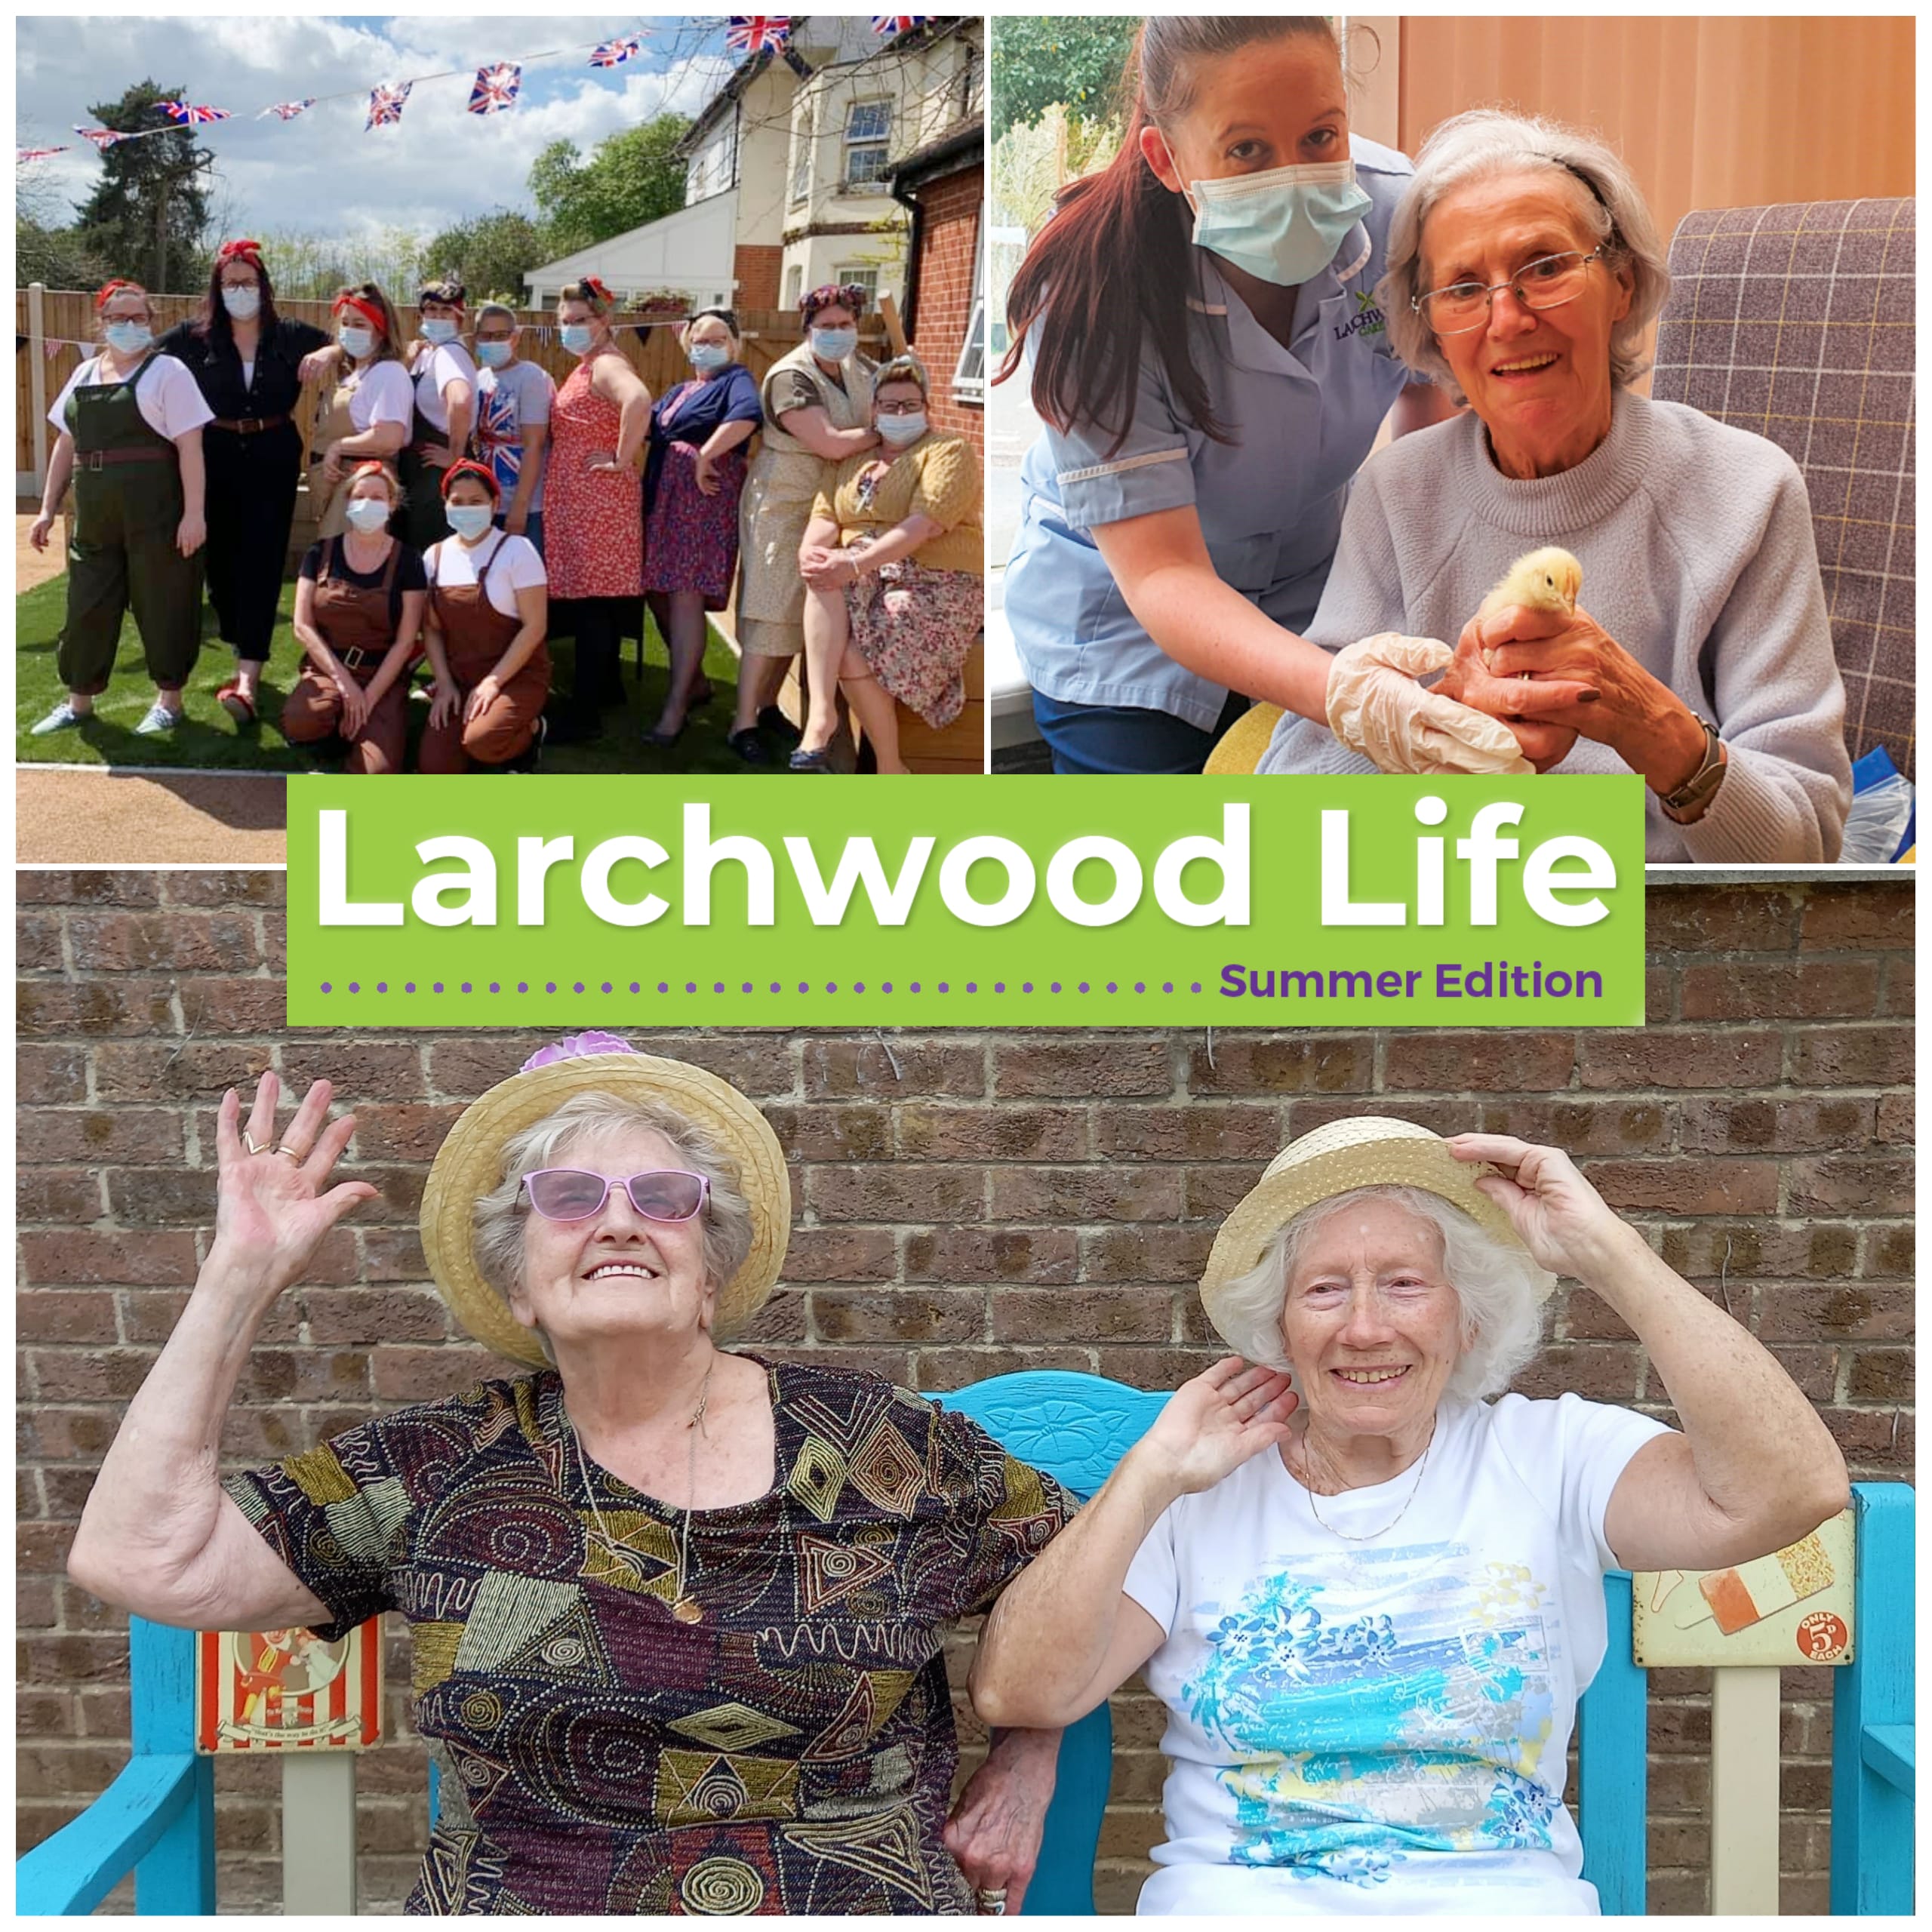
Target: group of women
(858, 523)
(1217, 329)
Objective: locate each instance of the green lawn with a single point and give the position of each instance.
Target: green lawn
(210, 740)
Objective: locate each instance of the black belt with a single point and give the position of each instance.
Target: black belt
(354, 657)
(247, 426)
(101, 459)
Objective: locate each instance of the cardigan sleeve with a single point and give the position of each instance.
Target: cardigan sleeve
(948, 490)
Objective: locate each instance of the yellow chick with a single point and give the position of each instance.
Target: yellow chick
(1549, 580)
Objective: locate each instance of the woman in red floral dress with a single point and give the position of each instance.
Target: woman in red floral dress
(593, 519)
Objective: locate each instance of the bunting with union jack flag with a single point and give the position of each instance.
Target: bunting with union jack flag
(496, 88)
(34, 154)
(286, 110)
(190, 114)
(890, 24)
(102, 137)
(754, 33)
(615, 53)
(386, 104)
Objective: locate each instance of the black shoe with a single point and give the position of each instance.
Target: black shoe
(526, 759)
(774, 721)
(662, 739)
(820, 761)
(749, 746)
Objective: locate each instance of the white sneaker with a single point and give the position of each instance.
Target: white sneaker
(62, 718)
(159, 721)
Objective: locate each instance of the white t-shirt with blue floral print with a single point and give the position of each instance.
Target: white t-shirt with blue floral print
(1383, 1726)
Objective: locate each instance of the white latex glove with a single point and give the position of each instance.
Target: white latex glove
(1376, 707)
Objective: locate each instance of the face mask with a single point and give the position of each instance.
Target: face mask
(357, 342)
(1283, 226)
(128, 338)
(244, 304)
(576, 337)
(367, 514)
(493, 354)
(439, 329)
(705, 355)
(902, 429)
(469, 520)
(834, 345)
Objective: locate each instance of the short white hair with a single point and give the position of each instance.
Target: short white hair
(1500, 1288)
(1487, 141)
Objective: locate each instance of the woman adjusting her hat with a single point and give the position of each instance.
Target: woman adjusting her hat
(1525, 271)
(677, 1614)
(1367, 1583)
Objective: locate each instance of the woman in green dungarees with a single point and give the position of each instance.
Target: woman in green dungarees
(130, 426)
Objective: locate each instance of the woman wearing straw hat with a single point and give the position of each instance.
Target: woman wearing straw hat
(1366, 1583)
(677, 1614)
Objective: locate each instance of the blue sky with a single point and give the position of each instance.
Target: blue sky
(322, 172)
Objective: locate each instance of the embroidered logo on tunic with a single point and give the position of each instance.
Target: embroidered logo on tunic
(1367, 320)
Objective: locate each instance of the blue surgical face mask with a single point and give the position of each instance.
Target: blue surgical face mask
(469, 520)
(493, 354)
(707, 355)
(902, 430)
(576, 337)
(244, 304)
(127, 338)
(1284, 225)
(357, 343)
(834, 345)
(438, 329)
(367, 514)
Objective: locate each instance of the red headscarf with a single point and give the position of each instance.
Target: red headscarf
(250, 250)
(368, 311)
(479, 471)
(112, 289)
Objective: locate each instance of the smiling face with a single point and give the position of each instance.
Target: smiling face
(615, 1273)
(1372, 1328)
(1277, 103)
(1538, 378)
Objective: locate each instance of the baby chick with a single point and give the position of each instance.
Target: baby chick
(1548, 580)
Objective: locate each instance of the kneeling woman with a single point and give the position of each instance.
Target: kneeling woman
(892, 562)
(358, 607)
(1370, 1611)
(489, 606)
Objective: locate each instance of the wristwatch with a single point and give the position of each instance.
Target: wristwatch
(1692, 799)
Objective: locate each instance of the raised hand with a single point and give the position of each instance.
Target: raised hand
(273, 1203)
(1563, 1220)
(1213, 1424)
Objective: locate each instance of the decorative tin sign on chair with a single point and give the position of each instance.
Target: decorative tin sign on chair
(279, 1690)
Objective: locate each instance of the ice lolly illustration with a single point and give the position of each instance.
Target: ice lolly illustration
(1754, 1591)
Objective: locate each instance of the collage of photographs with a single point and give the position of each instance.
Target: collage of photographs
(1360, 1453)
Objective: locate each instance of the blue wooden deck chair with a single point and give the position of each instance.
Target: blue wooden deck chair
(157, 1819)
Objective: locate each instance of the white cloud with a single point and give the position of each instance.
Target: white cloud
(322, 172)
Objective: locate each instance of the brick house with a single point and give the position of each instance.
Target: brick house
(944, 309)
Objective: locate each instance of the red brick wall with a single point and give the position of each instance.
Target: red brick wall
(952, 208)
(968, 1203)
(757, 269)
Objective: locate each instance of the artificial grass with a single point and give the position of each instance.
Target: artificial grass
(208, 739)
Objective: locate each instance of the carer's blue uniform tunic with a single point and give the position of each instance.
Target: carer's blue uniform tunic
(1270, 504)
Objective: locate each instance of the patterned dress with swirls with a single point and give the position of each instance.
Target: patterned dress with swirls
(791, 1751)
(593, 530)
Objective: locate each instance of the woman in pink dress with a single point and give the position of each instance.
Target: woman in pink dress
(593, 518)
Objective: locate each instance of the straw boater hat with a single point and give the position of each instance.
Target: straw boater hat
(1371, 1150)
(471, 1164)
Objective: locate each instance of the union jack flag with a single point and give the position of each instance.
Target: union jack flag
(496, 88)
(189, 115)
(894, 23)
(102, 137)
(34, 154)
(753, 33)
(286, 110)
(386, 104)
(615, 53)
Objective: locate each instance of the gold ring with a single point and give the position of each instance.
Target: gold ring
(249, 1142)
(297, 1157)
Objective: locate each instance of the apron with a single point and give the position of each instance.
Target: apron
(336, 423)
(354, 622)
(476, 634)
(423, 522)
(127, 508)
(777, 505)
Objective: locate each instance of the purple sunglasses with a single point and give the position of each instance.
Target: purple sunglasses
(571, 1194)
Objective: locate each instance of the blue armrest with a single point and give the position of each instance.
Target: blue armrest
(75, 1868)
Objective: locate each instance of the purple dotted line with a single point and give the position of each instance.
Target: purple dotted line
(746, 986)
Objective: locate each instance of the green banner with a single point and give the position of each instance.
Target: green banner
(1013, 902)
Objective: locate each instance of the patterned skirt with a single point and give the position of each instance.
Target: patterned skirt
(691, 541)
(915, 627)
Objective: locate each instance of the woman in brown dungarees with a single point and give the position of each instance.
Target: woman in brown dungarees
(359, 607)
(489, 606)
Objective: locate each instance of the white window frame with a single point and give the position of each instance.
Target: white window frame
(866, 274)
(794, 284)
(853, 144)
(967, 387)
(801, 156)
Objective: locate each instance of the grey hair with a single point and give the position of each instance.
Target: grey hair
(500, 1215)
(495, 309)
(1500, 1288)
(1487, 141)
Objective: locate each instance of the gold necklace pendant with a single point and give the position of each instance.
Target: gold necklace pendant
(685, 1611)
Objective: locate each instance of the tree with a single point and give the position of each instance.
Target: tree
(1075, 60)
(632, 177)
(489, 255)
(149, 212)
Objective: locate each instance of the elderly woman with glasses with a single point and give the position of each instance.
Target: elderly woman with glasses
(679, 1612)
(1365, 1580)
(1523, 270)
